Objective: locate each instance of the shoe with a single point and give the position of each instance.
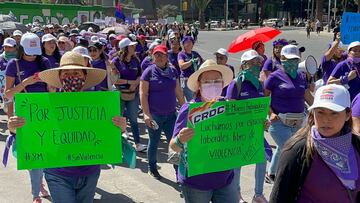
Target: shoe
(37, 200)
(259, 199)
(140, 148)
(155, 174)
(43, 191)
(269, 178)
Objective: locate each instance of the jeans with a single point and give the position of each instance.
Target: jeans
(226, 194)
(166, 124)
(189, 95)
(260, 171)
(36, 176)
(67, 189)
(130, 111)
(280, 133)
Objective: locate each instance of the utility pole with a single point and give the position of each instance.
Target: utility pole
(308, 10)
(226, 13)
(329, 8)
(335, 10)
(312, 9)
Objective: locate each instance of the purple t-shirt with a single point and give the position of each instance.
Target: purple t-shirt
(248, 91)
(141, 51)
(111, 53)
(53, 62)
(223, 93)
(173, 59)
(321, 184)
(355, 106)
(101, 64)
(27, 69)
(271, 64)
(343, 68)
(128, 70)
(287, 94)
(162, 89)
(77, 171)
(187, 57)
(146, 63)
(208, 181)
(3, 63)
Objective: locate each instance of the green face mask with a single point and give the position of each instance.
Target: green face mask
(290, 67)
(252, 74)
(9, 55)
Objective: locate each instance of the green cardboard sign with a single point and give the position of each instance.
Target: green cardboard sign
(228, 135)
(68, 129)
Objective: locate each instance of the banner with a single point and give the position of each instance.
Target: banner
(68, 129)
(170, 20)
(179, 19)
(350, 27)
(228, 135)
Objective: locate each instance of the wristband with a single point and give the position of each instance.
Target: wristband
(178, 142)
(344, 79)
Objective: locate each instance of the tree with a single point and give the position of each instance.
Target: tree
(202, 5)
(153, 3)
(167, 10)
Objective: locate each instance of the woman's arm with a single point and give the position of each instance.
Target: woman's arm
(308, 97)
(342, 79)
(144, 95)
(10, 90)
(184, 65)
(182, 138)
(179, 93)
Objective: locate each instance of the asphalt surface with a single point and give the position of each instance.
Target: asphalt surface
(125, 185)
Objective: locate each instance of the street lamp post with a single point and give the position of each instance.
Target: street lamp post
(226, 14)
(329, 8)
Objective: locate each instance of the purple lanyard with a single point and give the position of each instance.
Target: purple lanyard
(9, 141)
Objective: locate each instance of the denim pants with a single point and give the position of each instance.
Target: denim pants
(130, 110)
(280, 133)
(67, 189)
(228, 194)
(260, 171)
(36, 176)
(189, 95)
(166, 124)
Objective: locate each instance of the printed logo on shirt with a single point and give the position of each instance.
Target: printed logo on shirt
(283, 85)
(244, 94)
(302, 86)
(261, 93)
(22, 73)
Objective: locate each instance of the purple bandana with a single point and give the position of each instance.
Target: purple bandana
(9, 141)
(339, 154)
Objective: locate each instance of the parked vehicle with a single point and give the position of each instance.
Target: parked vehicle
(273, 22)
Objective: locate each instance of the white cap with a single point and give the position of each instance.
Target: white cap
(82, 32)
(222, 51)
(48, 37)
(17, 33)
(132, 37)
(83, 51)
(112, 36)
(170, 31)
(172, 35)
(249, 55)
(9, 42)
(31, 44)
(157, 40)
(352, 45)
(90, 29)
(290, 52)
(94, 38)
(126, 42)
(333, 97)
(153, 45)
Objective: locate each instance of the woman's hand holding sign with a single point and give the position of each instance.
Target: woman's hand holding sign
(15, 122)
(186, 134)
(120, 122)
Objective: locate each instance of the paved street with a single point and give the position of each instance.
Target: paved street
(125, 185)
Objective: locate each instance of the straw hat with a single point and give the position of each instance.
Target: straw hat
(70, 61)
(209, 65)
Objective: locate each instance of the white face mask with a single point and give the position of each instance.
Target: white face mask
(211, 91)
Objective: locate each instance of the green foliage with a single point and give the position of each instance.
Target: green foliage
(167, 10)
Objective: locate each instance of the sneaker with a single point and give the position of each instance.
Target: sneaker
(37, 200)
(155, 174)
(269, 178)
(140, 148)
(259, 199)
(43, 191)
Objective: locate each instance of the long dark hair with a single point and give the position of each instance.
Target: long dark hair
(305, 132)
(56, 53)
(39, 59)
(124, 52)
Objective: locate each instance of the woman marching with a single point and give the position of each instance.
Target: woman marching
(273, 63)
(246, 86)
(321, 162)
(50, 50)
(128, 67)
(71, 184)
(159, 89)
(207, 83)
(21, 76)
(289, 91)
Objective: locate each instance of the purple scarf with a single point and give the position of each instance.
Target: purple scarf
(339, 154)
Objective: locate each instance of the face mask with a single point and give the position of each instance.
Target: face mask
(9, 55)
(252, 74)
(355, 59)
(291, 66)
(73, 84)
(211, 91)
